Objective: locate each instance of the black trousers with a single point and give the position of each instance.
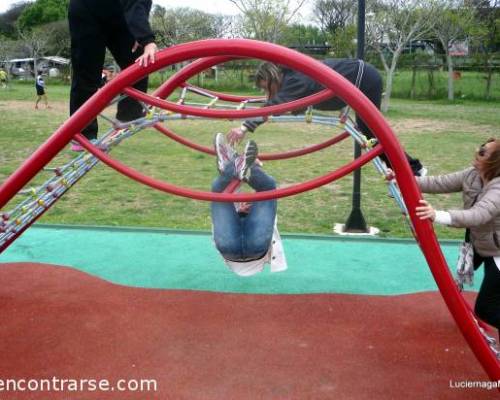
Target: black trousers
(488, 299)
(372, 86)
(94, 26)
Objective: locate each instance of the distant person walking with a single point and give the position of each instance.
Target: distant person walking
(40, 91)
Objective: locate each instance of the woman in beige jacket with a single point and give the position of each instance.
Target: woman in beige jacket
(480, 187)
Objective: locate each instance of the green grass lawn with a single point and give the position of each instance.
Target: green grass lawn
(470, 86)
(441, 134)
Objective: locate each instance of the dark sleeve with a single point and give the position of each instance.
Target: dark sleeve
(295, 86)
(137, 16)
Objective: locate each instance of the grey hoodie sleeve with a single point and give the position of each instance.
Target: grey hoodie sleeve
(482, 212)
(448, 183)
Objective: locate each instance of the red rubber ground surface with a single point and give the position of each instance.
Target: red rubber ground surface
(60, 322)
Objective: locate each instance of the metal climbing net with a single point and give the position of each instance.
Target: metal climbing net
(38, 199)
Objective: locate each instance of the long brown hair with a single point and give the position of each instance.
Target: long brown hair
(490, 166)
(269, 73)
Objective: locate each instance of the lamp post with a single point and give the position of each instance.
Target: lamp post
(356, 221)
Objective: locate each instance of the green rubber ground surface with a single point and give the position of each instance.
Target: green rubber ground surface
(189, 260)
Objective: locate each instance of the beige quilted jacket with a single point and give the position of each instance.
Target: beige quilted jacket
(482, 217)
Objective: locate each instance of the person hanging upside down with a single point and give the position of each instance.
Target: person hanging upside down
(283, 85)
(480, 187)
(245, 234)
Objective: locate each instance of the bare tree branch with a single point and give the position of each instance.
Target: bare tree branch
(267, 19)
(391, 25)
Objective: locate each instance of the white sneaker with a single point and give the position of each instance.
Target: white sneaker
(225, 153)
(243, 164)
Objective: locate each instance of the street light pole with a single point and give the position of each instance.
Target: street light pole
(356, 222)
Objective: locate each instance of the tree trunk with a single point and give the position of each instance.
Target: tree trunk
(388, 90)
(449, 61)
(431, 93)
(413, 81)
(35, 66)
(389, 81)
(489, 77)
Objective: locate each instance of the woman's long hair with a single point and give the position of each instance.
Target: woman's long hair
(269, 73)
(490, 166)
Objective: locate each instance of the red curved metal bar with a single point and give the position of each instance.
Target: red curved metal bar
(263, 156)
(187, 72)
(199, 65)
(233, 185)
(230, 114)
(326, 77)
(225, 96)
(179, 79)
(305, 150)
(182, 140)
(227, 197)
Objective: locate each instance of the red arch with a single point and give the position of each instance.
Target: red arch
(211, 196)
(225, 96)
(365, 109)
(263, 157)
(179, 79)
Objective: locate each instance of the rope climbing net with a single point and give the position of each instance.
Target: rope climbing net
(160, 111)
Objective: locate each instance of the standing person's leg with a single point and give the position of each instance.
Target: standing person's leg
(225, 220)
(488, 299)
(258, 225)
(372, 86)
(87, 55)
(120, 43)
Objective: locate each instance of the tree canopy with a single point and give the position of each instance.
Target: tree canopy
(43, 12)
(8, 19)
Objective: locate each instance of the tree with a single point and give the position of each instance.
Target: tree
(159, 24)
(485, 36)
(300, 35)
(343, 42)
(185, 24)
(226, 26)
(35, 43)
(8, 19)
(267, 19)
(58, 38)
(6, 46)
(334, 15)
(391, 25)
(454, 20)
(43, 12)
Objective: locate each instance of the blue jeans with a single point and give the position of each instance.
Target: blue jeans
(244, 237)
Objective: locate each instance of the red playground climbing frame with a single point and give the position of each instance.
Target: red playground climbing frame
(211, 52)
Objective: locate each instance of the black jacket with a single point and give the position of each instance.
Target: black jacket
(295, 85)
(137, 16)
